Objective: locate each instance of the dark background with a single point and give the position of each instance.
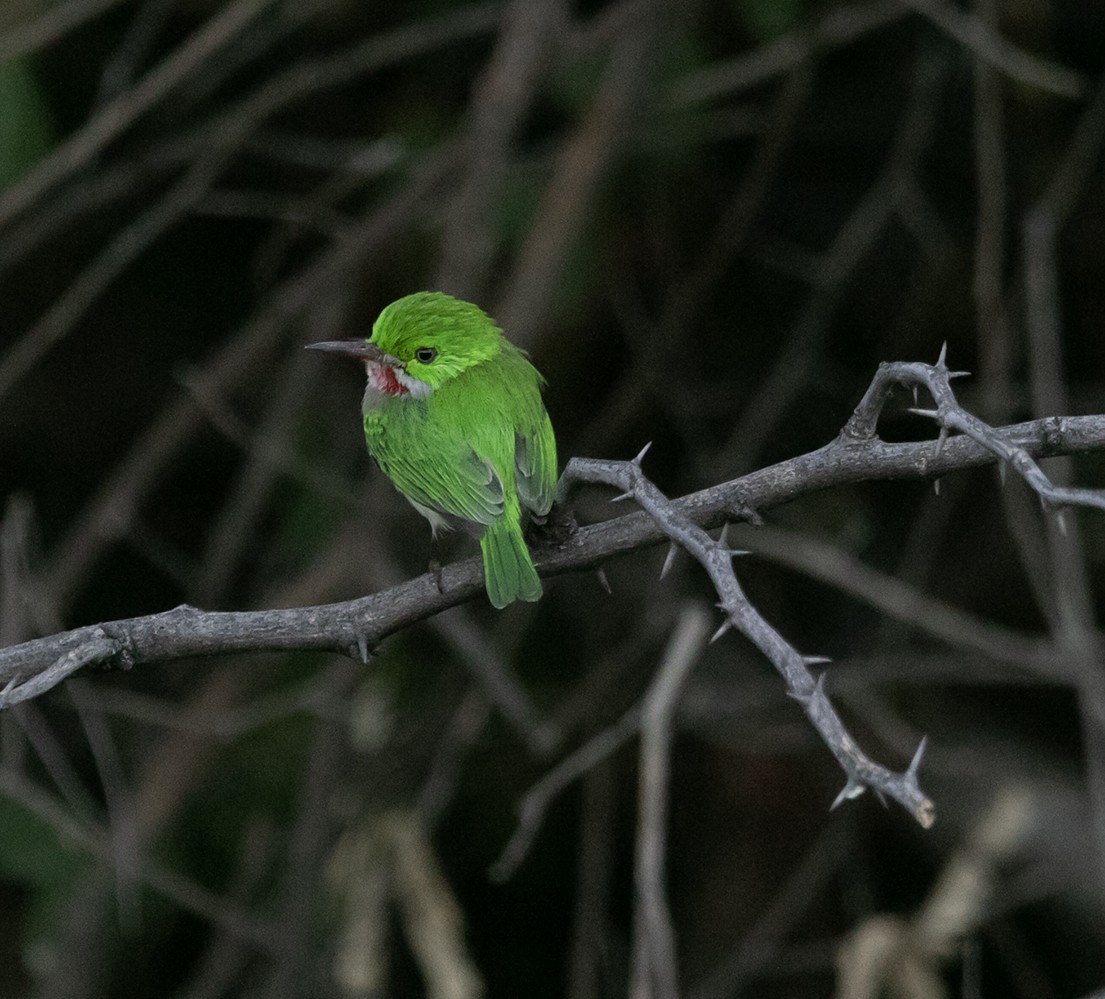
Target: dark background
(708, 222)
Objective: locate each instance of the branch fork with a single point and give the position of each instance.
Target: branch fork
(716, 557)
(950, 416)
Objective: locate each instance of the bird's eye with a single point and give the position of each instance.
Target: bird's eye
(424, 355)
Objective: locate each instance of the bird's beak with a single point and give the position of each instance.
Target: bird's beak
(362, 350)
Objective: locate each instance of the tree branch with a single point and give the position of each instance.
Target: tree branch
(356, 627)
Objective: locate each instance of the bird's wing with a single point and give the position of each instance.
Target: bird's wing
(458, 483)
(535, 466)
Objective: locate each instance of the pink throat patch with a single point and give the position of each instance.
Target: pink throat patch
(383, 380)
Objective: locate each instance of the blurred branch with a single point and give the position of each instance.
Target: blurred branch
(841, 26)
(432, 916)
(532, 809)
(991, 319)
(654, 962)
(110, 513)
(764, 940)
(580, 166)
(985, 42)
(216, 146)
(57, 21)
(528, 42)
(901, 600)
(904, 957)
(798, 363)
(115, 116)
(1073, 620)
(188, 894)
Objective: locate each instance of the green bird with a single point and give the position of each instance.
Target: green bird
(453, 416)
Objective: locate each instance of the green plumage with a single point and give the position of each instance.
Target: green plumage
(453, 416)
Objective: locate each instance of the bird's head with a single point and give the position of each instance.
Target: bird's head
(420, 342)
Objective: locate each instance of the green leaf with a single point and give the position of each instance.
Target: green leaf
(769, 19)
(26, 130)
(37, 857)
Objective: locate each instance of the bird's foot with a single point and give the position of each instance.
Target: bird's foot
(555, 528)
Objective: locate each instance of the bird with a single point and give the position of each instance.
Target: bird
(453, 416)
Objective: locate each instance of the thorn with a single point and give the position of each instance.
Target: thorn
(603, 581)
(853, 789)
(915, 763)
(881, 797)
(943, 355)
(1061, 522)
(936, 486)
(957, 374)
(941, 440)
(815, 660)
(932, 414)
(669, 559)
(725, 626)
(623, 496)
(641, 454)
(9, 687)
(1002, 468)
(362, 648)
(818, 689)
(915, 395)
(723, 537)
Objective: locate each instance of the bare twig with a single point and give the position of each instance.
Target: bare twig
(949, 415)
(492, 672)
(95, 647)
(226, 955)
(126, 840)
(590, 933)
(229, 537)
(184, 892)
(134, 48)
(654, 958)
(456, 742)
(293, 971)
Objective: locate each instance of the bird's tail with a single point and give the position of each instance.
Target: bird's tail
(507, 567)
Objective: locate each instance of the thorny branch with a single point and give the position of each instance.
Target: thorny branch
(716, 558)
(357, 627)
